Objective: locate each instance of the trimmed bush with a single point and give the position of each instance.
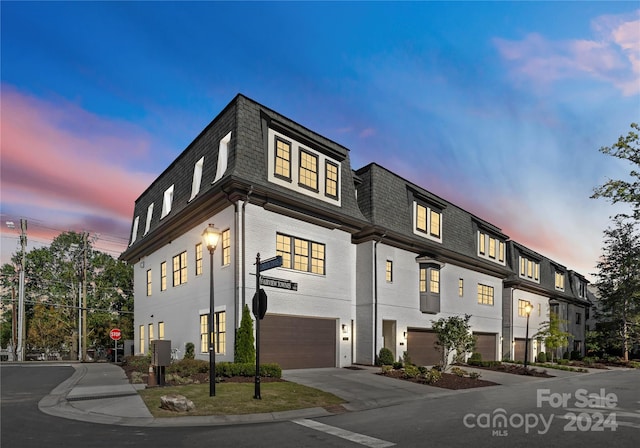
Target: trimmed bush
(432, 376)
(397, 365)
(189, 350)
(411, 371)
(229, 369)
(542, 357)
(385, 357)
(565, 355)
(575, 355)
(475, 357)
(458, 371)
(187, 367)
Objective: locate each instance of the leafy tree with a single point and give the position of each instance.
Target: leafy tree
(52, 278)
(626, 148)
(619, 283)
(454, 337)
(552, 334)
(245, 350)
(48, 329)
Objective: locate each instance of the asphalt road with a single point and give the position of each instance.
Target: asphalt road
(531, 415)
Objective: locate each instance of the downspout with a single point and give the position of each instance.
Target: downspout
(236, 272)
(375, 297)
(244, 275)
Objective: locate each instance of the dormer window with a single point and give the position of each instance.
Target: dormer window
(559, 280)
(197, 178)
(427, 222)
(167, 201)
(490, 247)
(529, 269)
(134, 231)
(147, 225)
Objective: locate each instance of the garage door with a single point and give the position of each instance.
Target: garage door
(486, 345)
(519, 350)
(421, 348)
(298, 342)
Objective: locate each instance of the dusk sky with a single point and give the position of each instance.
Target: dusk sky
(498, 107)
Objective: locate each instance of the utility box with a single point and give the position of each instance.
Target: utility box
(161, 353)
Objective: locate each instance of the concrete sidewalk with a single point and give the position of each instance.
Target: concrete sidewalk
(101, 393)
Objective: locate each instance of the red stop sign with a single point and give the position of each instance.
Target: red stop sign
(115, 334)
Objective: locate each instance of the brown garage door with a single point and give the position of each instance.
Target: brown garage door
(486, 345)
(298, 342)
(421, 348)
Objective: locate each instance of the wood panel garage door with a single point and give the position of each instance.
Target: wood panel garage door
(421, 348)
(298, 342)
(486, 345)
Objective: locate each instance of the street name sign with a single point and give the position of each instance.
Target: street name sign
(271, 263)
(278, 283)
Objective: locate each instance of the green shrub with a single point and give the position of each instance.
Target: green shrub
(423, 369)
(397, 365)
(245, 350)
(563, 361)
(542, 357)
(140, 363)
(565, 355)
(432, 376)
(575, 355)
(458, 371)
(634, 364)
(386, 369)
(406, 359)
(385, 357)
(230, 369)
(187, 367)
(474, 375)
(411, 371)
(189, 350)
(475, 357)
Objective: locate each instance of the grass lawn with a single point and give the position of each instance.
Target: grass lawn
(237, 398)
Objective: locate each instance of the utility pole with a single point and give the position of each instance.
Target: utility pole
(23, 262)
(14, 322)
(84, 297)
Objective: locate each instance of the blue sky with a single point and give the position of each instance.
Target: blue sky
(499, 107)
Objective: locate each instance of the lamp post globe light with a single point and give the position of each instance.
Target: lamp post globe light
(527, 309)
(211, 235)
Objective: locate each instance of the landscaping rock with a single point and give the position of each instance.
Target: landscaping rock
(176, 403)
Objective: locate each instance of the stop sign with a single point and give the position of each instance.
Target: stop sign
(115, 334)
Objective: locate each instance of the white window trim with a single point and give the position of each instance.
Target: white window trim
(485, 255)
(134, 231)
(294, 170)
(223, 157)
(525, 276)
(197, 178)
(167, 201)
(149, 216)
(427, 234)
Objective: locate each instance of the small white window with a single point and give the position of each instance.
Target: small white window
(149, 215)
(223, 156)
(134, 231)
(197, 178)
(167, 201)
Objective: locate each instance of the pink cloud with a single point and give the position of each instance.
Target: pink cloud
(612, 56)
(68, 167)
(45, 163)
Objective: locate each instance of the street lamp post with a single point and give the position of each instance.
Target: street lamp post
(527, 309)
(211, 236)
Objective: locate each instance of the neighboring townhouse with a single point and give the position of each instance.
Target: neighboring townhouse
(422, 259)
(376, 258)
(548, 287)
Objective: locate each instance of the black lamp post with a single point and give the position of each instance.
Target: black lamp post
(527, 309)
(211, 236)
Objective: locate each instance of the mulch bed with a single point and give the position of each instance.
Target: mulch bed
(448, 381)
(517, 369)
